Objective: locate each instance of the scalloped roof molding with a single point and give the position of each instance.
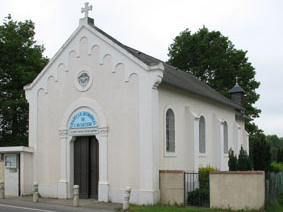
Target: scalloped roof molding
(84, 25)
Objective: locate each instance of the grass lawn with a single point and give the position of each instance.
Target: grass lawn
(275, 206)
(160, 208)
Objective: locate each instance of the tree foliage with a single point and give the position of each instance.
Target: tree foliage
(212, 58)
(280, 155)
(261, 154)
(20, 62)
(275, 145)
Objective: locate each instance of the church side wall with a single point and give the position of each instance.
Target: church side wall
(117, 98)
(187, 109)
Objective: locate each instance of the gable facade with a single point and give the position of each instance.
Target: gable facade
(119, 85)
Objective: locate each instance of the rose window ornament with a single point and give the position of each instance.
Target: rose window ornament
(83, 81)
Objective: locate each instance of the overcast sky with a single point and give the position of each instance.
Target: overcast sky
(151, 25)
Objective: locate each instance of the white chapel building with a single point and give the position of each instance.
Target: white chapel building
(105, 116)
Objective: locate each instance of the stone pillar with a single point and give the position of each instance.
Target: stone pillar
(103, 186)
(63, 182)
(76, 198)
(35, 192)
(126, 201)
(2, 190)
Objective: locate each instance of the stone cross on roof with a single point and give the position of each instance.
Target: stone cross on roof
(86, 9)
(237, 78)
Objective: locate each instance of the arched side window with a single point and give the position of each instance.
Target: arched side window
(225, 136)
(202, 135)
(170, 131)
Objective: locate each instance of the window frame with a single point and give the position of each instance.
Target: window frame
(225, 123)
(166, 153)
(10, 164)
(202, 154)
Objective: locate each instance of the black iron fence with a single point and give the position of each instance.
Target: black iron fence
(196, 189)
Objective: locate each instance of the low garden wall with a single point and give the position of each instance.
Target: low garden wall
(237, 190)
(171, 187)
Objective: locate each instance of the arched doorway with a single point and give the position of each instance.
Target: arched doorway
(72, 129)
(86, 166)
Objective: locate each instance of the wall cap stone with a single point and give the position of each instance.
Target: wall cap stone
(239, 172)
(172, 171)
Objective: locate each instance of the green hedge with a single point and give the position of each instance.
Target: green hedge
(276, 167)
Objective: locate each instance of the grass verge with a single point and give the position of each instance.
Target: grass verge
(273, 206)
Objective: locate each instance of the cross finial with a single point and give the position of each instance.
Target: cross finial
(86, 9)
(237, 78)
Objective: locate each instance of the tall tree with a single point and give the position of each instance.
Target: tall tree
(20, 62)
(261, 154)
(212, 58)
(275, 144)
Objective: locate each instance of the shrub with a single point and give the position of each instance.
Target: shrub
(244, 163)
(233, 161)
(199, 197)
(204, 175)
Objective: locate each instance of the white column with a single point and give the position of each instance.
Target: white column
(238, 140)
(103, 185)
(155, 140)
(63, 182)
(196, 144)
(31, 97)
(247, 143)
(70, 165)
(148, 137)
(221, 155)
(22, 173)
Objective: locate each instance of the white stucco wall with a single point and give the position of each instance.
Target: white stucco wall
(187, 108)
(26, 173)
(119, 101)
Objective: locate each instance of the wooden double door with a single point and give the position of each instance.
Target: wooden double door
(86, 166)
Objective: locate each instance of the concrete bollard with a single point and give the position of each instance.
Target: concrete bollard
(76, 198)
(35, 197)
(127, 193)
(2, 190)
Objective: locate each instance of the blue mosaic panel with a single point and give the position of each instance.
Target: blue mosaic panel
(83, 119)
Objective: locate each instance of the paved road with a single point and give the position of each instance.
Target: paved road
(20, 206)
